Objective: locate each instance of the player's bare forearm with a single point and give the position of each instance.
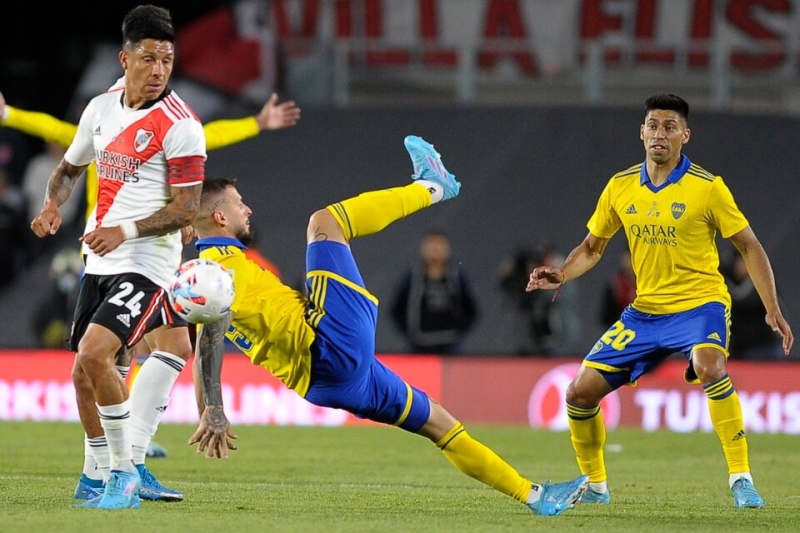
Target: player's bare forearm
(214, 434)
(177, 214)
(62, 181)
(210, 351)
(59, 187)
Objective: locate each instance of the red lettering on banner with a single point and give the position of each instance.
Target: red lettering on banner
(701, 27)
(428, 20)
(344, 18)
(283, 24)
(595, 21)
(646, 17)
(432, 54)
(504, 20)
(741, 14)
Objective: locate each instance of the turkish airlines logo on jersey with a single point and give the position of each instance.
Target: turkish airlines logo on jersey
(142, 140)
(547, 406)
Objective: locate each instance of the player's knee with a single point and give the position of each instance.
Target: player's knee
(323, 226)
(583, 393)
(79, 378)
(709, 365)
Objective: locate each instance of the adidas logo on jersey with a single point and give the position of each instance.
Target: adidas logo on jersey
(97, 130)
(714, 337)
(631, 210)
(125, 318)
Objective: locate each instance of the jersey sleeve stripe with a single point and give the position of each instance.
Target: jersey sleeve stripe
(176, 107)
(701, 173)
(635, 169)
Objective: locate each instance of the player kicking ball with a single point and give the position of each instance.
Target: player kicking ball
(322, 345)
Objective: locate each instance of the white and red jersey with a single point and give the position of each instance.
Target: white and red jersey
(132, 149)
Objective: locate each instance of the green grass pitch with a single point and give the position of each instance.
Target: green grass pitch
(372, 478)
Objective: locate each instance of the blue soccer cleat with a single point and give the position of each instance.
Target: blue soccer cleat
(591, 496)
(122, 492)
(428, 166)
(745, 495)
(87, 488)
(154, 449)
(558, 497)
(91, 504)
(152, 489)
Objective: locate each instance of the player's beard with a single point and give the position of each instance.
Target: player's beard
(244, 236)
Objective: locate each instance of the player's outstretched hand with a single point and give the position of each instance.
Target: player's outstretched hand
(274, 116)
(545, 277)
(214, 434)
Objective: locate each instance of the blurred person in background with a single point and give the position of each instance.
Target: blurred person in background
(52, 318)
(434, 304)
(13, 230)
(522, 306)
(563, 316)
(751, 336)
(619, 292)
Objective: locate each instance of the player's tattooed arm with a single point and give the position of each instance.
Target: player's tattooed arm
(214, 435)
(62, 181)
(59, 187)
(210, 352)
(178, 213)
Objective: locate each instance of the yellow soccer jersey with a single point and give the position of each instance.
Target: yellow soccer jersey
(671, 233)
(269, 322)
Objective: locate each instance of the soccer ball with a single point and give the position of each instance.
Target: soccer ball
(201, 291)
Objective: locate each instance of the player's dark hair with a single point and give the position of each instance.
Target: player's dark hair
(668, 102)
(147, 22)
(214, 186)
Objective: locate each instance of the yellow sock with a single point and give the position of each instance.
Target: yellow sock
(372, 211)
(479, 462)
(726, 415)
(588, 434)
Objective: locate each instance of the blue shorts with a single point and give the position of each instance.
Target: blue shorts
(639, 342)
(344, 371)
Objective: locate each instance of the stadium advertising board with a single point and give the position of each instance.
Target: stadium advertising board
(36, 385)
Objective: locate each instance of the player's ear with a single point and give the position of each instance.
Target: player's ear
(219, 217)
(123, 59)
(687, 133)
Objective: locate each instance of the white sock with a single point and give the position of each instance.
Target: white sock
(535, 494)
(115, 420)
(96, 458)
(150, 397)
(123, 370)
(733, 477)
(92, 446)
(600, 487)
(436, 190)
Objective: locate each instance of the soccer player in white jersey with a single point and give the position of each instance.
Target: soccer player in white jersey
(670, 210)
(150, 153)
